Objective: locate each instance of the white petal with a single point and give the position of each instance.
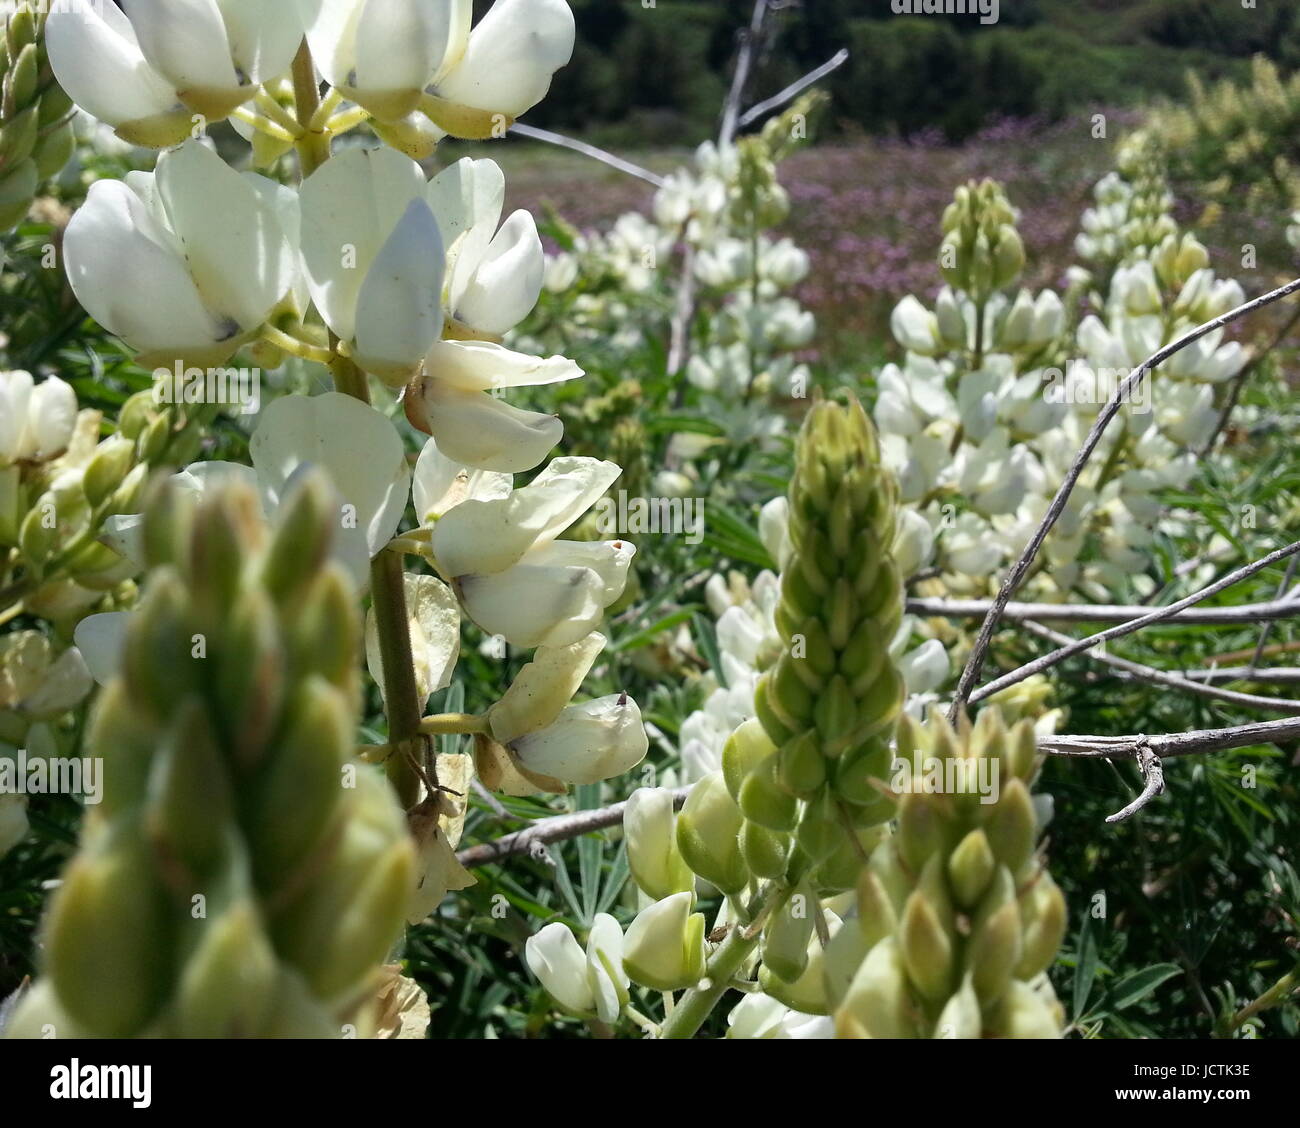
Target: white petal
(435, 636)
(236, 248)
(589, 742)
(399, 306)
(489, 536)
(400, 44)
(481, 366)
(102, 640)
(507, 280)
(15, 395)
(332, 34)
(350, 206)
(529, 606)
(53, 414)
(481, 431)
(113, 236)
(465, 196)
(543, 688)
(264, 37)
(184, 41)
(610, 560)
(511, 55)
(358, 448)
(439, 484)
(94, 55)
(554, 956)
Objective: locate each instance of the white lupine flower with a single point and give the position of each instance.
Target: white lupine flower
(383, 53)
(587, 743)
(514, 578)
(36, 420)
(588, 985)
(36, 684)
(664, 945)
(926, 668)
(506, 63)
(373, 257)
(439, 483)
(913, 543)
(451, 401)
(97, 59)
(215, 53)
(915, 327)
(495, 275)
(205, 251)
(543, 688)
(650, 831)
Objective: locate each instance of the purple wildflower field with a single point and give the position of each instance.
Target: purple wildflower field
(868, 212)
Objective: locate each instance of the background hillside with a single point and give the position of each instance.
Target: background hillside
(655, 75)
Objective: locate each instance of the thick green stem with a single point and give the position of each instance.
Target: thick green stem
(401, 698)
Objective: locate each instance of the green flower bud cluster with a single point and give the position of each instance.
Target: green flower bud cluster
(958, 918)
(1132, 217)
(806, 772)
(53, 510)
(242, 876)
(35, 114)
(981, 251)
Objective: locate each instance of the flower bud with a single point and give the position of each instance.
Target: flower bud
(708, 835)
(650, 831)
(664, 945)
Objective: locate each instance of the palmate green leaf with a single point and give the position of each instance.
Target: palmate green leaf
(1137, 985)
(685, 424)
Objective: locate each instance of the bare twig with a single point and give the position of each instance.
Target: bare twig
(556, 829)
(535, 134)
(1158, 615)
(1174, 743)
(1174, 681)
(970, 675)
(1104, 612)
(740, 78)
(1284, 675)
(1153, 783)
(791, 92)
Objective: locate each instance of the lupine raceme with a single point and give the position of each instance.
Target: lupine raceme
(244, 875)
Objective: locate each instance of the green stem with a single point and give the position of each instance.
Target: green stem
(401, 699)
(697, 1004)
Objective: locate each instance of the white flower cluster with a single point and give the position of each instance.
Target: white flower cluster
(997, 393)
(377, 270)
(618, 290)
